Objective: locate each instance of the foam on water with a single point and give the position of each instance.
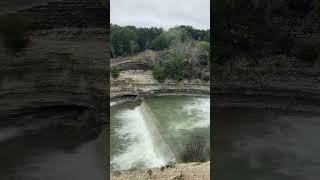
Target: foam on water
(140, 151)
(139, 129)
(198, 115)
(201, 109)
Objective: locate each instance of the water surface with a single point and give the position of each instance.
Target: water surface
(156, 132)
(252, 144)
(51, 154)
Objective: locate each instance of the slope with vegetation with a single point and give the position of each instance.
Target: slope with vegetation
(180, 53)
(267, 48)
(129, 40)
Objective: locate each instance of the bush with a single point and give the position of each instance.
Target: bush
(158, 73)
(196, 150)
(174, 68)
(14, 31)
(115, 72)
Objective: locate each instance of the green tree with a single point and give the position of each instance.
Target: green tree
(160, 42)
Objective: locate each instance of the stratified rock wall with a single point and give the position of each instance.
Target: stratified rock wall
(67, 13)
(65, 64)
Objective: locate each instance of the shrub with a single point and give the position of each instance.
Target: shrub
(174, 67)
(158, 73)
(115, 72)
(14, 31)
(196, 150)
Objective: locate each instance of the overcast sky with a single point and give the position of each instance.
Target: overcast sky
(161, 13)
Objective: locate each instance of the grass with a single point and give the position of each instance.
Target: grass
(196, 150)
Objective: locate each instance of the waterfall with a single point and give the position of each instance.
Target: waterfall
(161, 147)
(145, 146)
(155, 134)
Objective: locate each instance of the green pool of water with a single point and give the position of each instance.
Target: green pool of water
(157, 131)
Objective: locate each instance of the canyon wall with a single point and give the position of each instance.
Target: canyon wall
(63, 67)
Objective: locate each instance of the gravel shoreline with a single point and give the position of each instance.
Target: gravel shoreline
(183, 171)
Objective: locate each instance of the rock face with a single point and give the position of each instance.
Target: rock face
(136, 77)
(142, 83)
(67, 13)
(273, 82)
(63, 67)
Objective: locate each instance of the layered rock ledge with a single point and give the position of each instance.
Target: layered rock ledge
(273, 82)
(62, 73)
(60, 68)
(142, 83)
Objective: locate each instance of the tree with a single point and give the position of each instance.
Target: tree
(159, 43)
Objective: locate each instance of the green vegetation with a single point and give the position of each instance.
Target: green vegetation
(128, 40)
(196, 150)
(115, 72)
(14, 31)
(187, 54)
(159, 73)
(248, 28)
(184, 65)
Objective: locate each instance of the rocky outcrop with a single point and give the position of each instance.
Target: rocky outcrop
(274, 82)
(142, 83)
(132, 65)
(67, 13)
(53, 73)
(61, 69)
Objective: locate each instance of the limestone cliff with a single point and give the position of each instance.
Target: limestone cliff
(136, 78)
(142, 83)
(63, 67)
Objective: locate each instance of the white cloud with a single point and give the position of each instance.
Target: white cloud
(161, 13)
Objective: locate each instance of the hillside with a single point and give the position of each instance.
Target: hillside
(139, 74)
(270, 51)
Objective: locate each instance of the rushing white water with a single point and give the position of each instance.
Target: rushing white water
(196, 113)
(117, 102)
(200, 108)
(146, 146)
(146, 137)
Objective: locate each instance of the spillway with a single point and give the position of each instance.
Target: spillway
(155, 132)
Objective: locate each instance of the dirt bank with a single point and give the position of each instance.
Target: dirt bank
(184, 171)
